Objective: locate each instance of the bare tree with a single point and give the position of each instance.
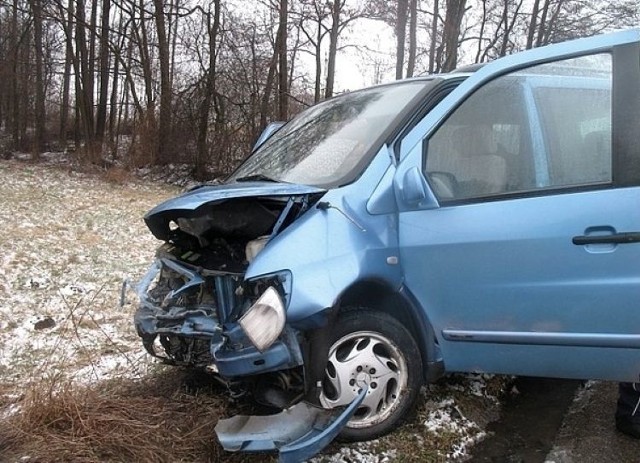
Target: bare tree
(281, 51)
(434, 36)
(413, 31)
(213, 28)
(533, 23)
(38, 145)
(508, 19)
(163, 147)
(316, 13)
(66, 20)
(401, 31)
(451, 33)
(498, 21)
(84, 80)
(341, 17)
(195, 82)
(101, 117)
(334, 34)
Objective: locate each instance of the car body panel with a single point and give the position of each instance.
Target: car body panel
(517, 273)
(297, 433)
(158, 218)
(330, 249)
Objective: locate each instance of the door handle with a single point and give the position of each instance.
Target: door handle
(616, 238)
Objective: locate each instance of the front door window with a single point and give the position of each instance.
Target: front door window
(545, 127)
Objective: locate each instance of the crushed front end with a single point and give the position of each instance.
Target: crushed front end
(195, 306)
(193, 314)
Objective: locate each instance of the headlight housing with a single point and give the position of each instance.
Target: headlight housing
(264, 321)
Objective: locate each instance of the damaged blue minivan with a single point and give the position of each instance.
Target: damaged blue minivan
(486, 220)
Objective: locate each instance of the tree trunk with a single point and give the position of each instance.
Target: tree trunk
(163, 148)
(505, 35)
(38, 142)
(210, 90)
(24, 92)
(413, 28)
(145, 60)
(451, 33)
(508, 26)
(91, 63)
(266, 95)
(283, 75)
(318, 52)
(533, 24)
(114, 109)
(14, 93)
(66, 78)
(434, 36)
(175, 8)
(84, 82)
(336, 7)
(483, 25)
(543, 27)
(401, 31)
(101, 119)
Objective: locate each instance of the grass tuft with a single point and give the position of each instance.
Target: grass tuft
(159, 419)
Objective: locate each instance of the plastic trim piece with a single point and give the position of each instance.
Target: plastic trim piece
(298, 433)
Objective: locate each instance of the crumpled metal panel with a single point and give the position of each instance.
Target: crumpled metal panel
(197, 197)
(297, 433)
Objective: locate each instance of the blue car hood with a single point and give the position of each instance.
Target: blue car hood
(191, 203)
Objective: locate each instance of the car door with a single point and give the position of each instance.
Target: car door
(519, 222)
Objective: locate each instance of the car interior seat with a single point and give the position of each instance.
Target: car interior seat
(470, 158)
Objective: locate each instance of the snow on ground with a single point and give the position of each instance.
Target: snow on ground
(447, 417)
(362, 452)
(67, 240)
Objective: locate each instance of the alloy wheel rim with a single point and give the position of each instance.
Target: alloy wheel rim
(365, 358)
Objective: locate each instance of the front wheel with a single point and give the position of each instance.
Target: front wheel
(374, 349)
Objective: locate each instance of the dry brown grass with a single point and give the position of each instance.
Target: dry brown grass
(141, 151)
(161, 419)
(117, 175)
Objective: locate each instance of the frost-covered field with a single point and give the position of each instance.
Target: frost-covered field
(67, 241)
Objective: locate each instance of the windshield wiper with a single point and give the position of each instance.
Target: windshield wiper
(256, 178)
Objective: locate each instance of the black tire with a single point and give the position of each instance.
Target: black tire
(374, 348)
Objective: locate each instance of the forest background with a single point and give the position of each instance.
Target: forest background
(134, 83)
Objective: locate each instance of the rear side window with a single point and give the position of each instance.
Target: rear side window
(545, 127)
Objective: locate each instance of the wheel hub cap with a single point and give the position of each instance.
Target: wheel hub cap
(363, 379)
(359, 359)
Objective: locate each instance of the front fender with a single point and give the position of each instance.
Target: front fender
(330, 248)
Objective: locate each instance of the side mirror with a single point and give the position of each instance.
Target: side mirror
(416, 192)
(266, 133)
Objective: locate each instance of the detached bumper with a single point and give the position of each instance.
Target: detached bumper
(297, 433)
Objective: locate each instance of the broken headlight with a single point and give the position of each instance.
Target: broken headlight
(264, 321)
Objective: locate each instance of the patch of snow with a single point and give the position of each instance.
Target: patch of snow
(363, 452)
(9, 411)
(447, 418)
(133, 366)
(67, 240)
(585, 391)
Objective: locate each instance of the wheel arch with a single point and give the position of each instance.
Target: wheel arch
(400, 304)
